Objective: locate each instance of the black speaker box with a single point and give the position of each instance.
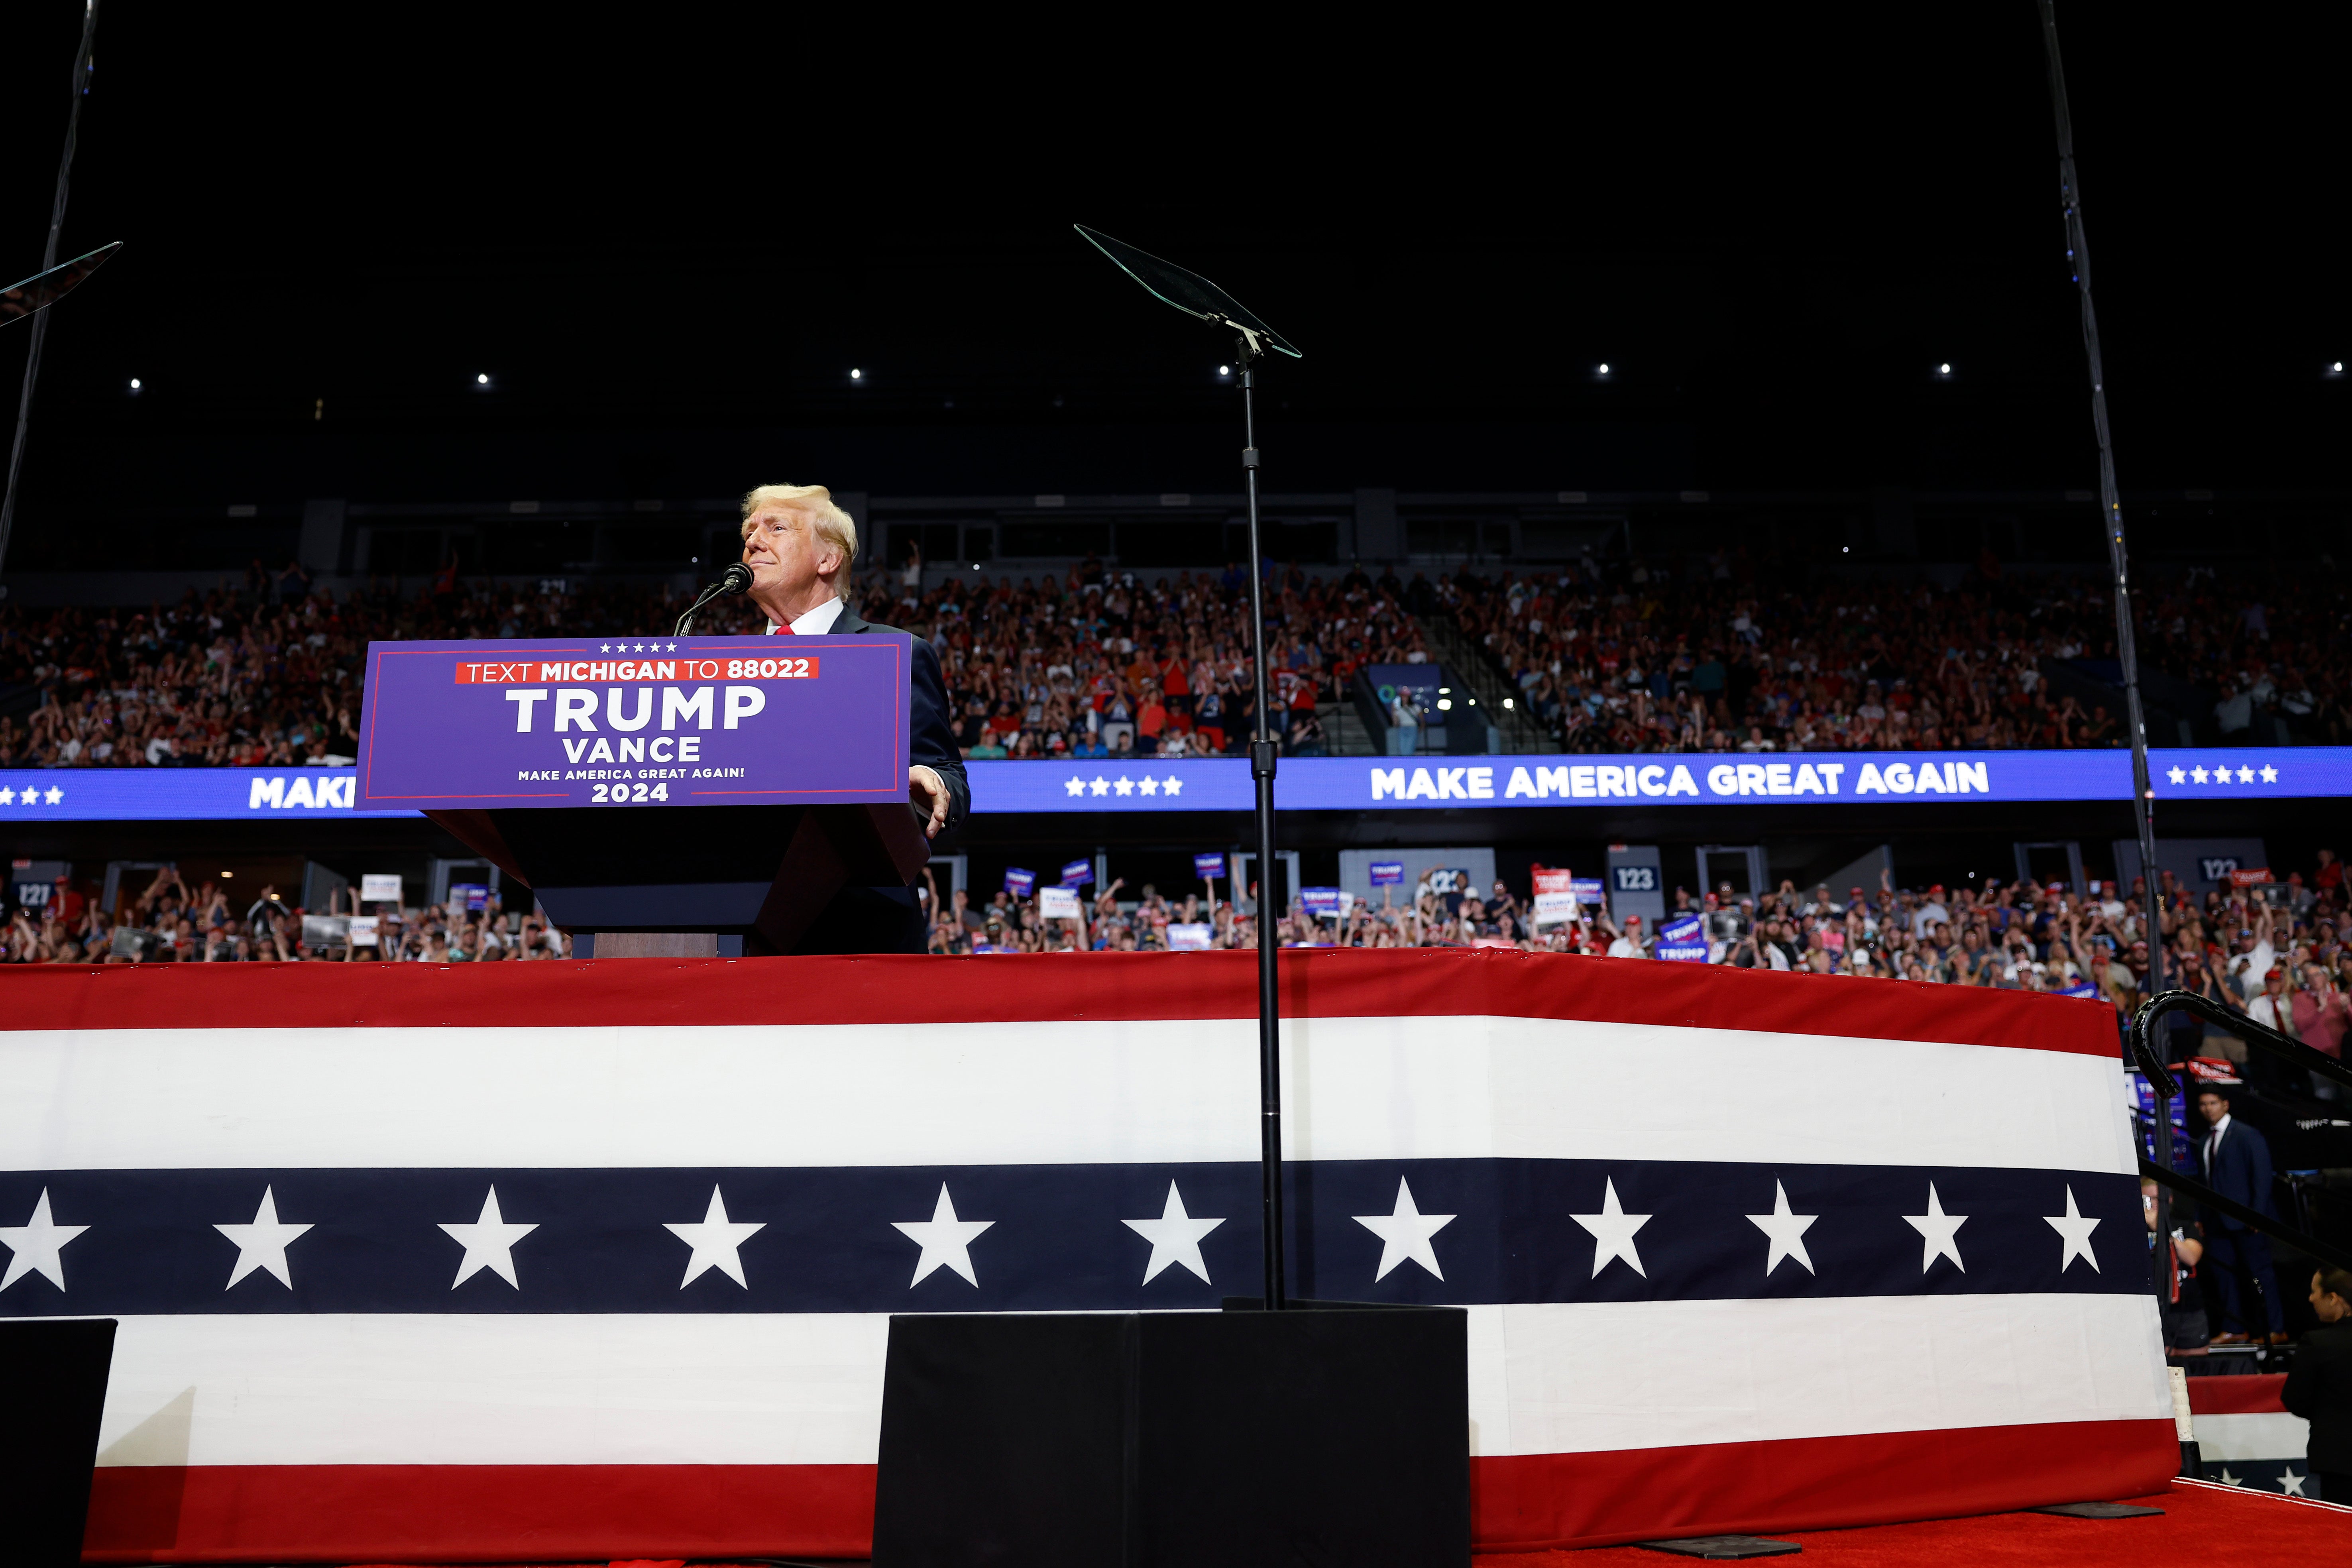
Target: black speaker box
(57, 1390)
(1170, 1439)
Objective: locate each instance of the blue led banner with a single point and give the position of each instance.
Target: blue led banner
(1337, 783)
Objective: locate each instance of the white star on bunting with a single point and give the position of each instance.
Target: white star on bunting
(34, 1245)
(263, 1243)
(716, 1243)
(2228, 1480)
(488, 1243)
(946, 1240)
(1613, 1232)
(1786, 1230)
(2291, 1484)
(1940, 1233)
(1175, 1238)
(2075, 1231)
(1405, 1234)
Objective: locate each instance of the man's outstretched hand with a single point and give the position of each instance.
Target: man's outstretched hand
(928, 791)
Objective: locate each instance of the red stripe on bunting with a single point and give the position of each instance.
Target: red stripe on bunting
(2252, 1394)
(1014, 988)
(458, 1513)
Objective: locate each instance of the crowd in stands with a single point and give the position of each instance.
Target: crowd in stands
(1627, 655)
(1700, 656)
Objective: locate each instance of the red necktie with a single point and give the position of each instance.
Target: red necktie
(784, 631)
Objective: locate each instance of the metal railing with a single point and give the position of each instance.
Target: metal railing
(1465, 661)
(2159, 1077)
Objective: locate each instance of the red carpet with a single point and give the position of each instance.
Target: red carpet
(2201, 1522)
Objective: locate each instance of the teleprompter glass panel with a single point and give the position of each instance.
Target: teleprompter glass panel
(1187, 291)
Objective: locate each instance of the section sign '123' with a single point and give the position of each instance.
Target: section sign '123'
(651, 722)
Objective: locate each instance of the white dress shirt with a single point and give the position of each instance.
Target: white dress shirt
(814, 623)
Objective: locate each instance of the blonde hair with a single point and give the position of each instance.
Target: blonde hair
(832, 524)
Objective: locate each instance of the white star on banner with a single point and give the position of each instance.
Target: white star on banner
(2221, 773)
(1147, 784)
(7, 795)
(1172, 784)
(1101, 784)
(1175, 1238)
(2178, 776)
(35, 1245)
(715, 1242)
(263, 1243)
(56, 795)
(2200, 774)
(2291, 1484)
(1404, 1234)
(639, 648)
(2245, 774)
(671, 648)
(1786, 1230)
(2228, 1480)
(2076, 1232)
(2270, 776)
(1940, 1233)
(1124, 785)
(945, 1239)
(488, 1243)
(1075, 786)
(1613, 1232)
(605, 648)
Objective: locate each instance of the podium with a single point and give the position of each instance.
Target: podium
(664, 796)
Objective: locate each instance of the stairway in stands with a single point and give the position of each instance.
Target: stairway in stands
(1466, 663)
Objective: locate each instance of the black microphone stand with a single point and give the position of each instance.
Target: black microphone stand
(736, 579)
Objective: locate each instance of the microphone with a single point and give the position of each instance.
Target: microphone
(736, 579)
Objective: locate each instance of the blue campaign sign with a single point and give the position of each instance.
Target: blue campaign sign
(1019, 882)
(678, 721)
(1305, 784)
(1077, 873)
(1209, 867)
(1323, 902)
(1586, 889)
(1388, 873)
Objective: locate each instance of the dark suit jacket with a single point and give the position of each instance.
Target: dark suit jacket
(2241, 1170)
(2319, 1389)
(891, 919)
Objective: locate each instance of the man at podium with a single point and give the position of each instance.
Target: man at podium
(799, 546)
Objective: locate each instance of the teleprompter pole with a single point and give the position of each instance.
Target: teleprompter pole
(1262, 757)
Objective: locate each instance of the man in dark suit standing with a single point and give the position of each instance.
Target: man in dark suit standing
(2237, 1164)
(2319, 1385)
(799, 546)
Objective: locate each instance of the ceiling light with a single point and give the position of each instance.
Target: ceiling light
(1444, 704)
(857, 375)
(1228, 370)
(134, 380)
(482, 380)
(2338, 367)
(1943, 370)
(1605, 370)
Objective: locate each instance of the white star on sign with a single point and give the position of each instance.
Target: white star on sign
(35, 1245)
(1124, 785)
(2076, 1232)
(1613, 1232)
(2178, 776)
(56, 795)
(1173, 784)
(1147, 784)
(1175, 1238)
(2291, 1484)
(671, 648)
(1101, 784)
(1404, 1234)
(945, 1239)
(263, 1243)
(2197, 774)
(715, 1242)
(1786, 1230)
(488, 1243)
(605, 648)
(2270, 776)
(2245, 774)
(2228, 1480)
(1940, 1233)
(1076, 785)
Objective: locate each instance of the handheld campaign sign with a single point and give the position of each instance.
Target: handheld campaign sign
(1057, 903)
(1324, 903)
(1018, 881)
(380, 887)
(1077, 873)
(1209, 867)
(1388, 873)
(1683, 938)
(659, 721)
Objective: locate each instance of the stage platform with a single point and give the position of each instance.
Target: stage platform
(551, 1262)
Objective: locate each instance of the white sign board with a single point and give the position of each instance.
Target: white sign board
(375, 888)
(1057, 903)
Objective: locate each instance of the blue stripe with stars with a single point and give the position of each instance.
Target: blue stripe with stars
(1058, 1239)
